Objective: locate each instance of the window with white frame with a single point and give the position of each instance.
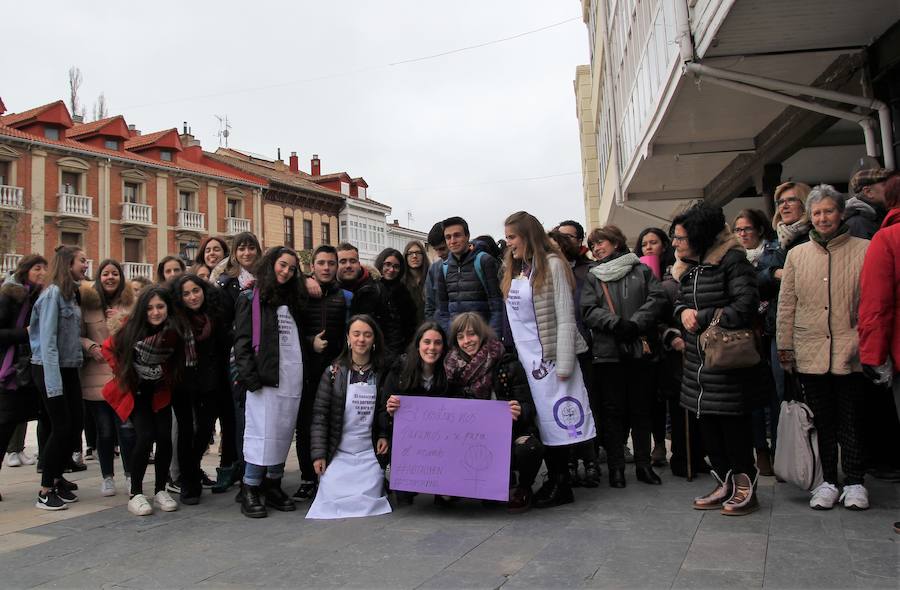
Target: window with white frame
(345, 188)
(131, 192)
(187, 200)
(361, 191)
(234, 208)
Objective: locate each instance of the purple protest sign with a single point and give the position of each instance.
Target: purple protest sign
(454, 447)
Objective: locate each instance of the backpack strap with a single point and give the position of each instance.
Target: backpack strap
(479, 269)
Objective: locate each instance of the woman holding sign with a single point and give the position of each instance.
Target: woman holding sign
(537, 286)
(349, 427)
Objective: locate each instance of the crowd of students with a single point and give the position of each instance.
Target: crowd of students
(589, 346)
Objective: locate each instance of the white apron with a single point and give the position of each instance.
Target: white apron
(271, 413)
(563, 409)
(353, 483)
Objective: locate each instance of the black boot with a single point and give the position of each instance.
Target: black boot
(275, 496)
(646, 474)
(574, 479)
(559, 493)
(617, 477)
(225, 478)
(251, 503)
(591, 474)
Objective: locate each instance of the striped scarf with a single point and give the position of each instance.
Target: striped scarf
(156, 349)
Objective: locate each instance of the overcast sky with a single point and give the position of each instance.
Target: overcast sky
(435, 137)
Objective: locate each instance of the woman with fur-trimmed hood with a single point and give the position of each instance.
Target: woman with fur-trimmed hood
(105, 305)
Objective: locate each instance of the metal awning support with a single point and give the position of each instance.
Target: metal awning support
(780, 90)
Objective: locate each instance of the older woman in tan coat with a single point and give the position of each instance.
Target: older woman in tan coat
(817, 338)
(105, 304)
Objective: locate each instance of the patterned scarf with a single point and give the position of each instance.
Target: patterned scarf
(474, 374)
(156, 349)
(787, 234)
(245, 279)
(201, 326)
(753, 254)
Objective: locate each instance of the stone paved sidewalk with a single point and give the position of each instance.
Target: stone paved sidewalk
(642, 537)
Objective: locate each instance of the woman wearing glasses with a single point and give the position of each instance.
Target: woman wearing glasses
(400, 323)
(414, 277)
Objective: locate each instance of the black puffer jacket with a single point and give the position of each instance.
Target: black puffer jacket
(460, 288)
(256, 370)
(328, 414)
(328, 313)
(16, 406)
(724, 279)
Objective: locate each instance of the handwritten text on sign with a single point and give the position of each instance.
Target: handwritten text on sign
(454, 447)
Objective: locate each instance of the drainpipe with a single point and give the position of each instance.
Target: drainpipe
(749, 82)
(683, 24)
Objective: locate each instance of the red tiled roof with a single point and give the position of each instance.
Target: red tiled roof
(368, 200)
(330, 176)
(266, 170)
(139, 141)
(82, 129)
(29, 114)
(138, 159)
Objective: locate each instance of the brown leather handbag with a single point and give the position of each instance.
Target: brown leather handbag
(725, 349)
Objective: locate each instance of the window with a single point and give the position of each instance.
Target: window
(131, 250)
(70, 238)
(51, 133)
(345, 188)
(289, 232)
(70, 183)
(111, 144)
(131, 194)
(361, 191)
(4, 173)
(326, 233)
(307, 234)
(233, 208)
(165, 155)
(186, 201)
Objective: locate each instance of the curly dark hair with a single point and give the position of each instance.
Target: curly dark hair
(668, 256)
(703, 223)
(292, 293)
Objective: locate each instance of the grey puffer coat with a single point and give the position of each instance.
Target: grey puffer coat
(723, 279)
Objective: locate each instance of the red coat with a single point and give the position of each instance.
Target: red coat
(122, 402)
(879, 302)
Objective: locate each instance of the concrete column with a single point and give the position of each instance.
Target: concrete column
(38, 171)
(257, 214)
(212, 207)
(103, 210)
(162, 215)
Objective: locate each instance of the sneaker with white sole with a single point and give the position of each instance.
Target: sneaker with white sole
(855, 497)
(50, 501)
(26, 459)
(824, 496)
(164, 501)
(139, 505)
(65, 494)
(12, 460)
(108, 487)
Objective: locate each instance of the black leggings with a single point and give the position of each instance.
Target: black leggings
(304, 427)
(836, 402)
(65, 416)
(729, 442)
(527, 455)
(150, 426)
(627, 390)
(196, 416)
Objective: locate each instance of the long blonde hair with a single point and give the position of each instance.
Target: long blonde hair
(538, 249)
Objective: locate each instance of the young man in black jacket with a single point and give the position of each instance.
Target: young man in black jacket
(324, 322)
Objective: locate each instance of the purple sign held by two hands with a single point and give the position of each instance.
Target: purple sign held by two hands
(454, 447)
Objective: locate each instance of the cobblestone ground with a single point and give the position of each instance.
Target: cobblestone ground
(642, 536)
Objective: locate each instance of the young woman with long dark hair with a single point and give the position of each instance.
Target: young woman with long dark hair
(417, 264)
(211, 252)
(169, 269)
(55, 338)
(400, 324)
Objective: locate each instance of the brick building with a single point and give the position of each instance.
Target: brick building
(115, 192)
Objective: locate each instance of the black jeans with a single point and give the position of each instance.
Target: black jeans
(627, 392)
(729, 442)
(150, 427)
(65, 417)
(110, 428)
(835, 401)
(526, 458)
(304, 426)
(196, 416)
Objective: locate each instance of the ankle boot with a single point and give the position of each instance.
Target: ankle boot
(251, 503)
(224, 479)
(646, 474)
(574, 480)
(560, 493)
(591, 474)
(717, 497)
(275, 497)
(617, 477)
(743, 499)
(764, 462)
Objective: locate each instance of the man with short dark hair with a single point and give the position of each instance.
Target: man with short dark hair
(468, 280)
(437, 243)
(324, 325)
(354, 277)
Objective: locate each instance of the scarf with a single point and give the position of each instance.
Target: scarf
(753, 254)
(154, 350)
(616, 268)
(245, 279)
(201, 327)
(787, 234)
(474, 375)
(816, 237)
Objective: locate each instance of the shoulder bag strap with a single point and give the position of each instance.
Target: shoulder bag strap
(608, 298)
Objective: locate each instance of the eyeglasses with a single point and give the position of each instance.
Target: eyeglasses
(744, 230)
(679, 239)
(786, 201)
(414, 253)
(391, 266)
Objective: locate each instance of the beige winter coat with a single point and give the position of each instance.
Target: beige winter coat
(818, 305)
(554, 307)
(95, 328)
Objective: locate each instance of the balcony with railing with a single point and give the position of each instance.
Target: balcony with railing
(137, 213)
(191, 220)
(137, 269)
(236, 225)
(12, 198)
(8, 263)
(72, 205)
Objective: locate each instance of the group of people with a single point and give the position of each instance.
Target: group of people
(589, 346)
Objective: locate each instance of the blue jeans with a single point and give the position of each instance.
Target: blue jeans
(254, 474)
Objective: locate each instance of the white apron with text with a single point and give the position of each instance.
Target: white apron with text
(563, 409)
(353, 483)
(271, 413)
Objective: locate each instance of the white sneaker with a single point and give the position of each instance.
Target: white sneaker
(824, 497)
(139, 506)
(12, 459)
(108, 487)
(26, 459)
(855, 497)
(165, 502)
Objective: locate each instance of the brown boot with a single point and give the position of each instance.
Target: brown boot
(764, 462)
(717, 497)
(743, 500)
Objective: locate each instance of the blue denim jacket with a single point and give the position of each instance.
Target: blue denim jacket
(55, 336)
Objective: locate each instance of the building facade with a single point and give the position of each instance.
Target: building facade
(398, 236)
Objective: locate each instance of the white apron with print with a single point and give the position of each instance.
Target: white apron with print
(563, 409)
(353, 483)
(271, 413)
